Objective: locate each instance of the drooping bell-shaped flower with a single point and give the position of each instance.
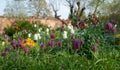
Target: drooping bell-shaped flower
(27, 50)
(35, 25)
(83, 25)
(52, 36)
(108, 26)
(37, 36)
(47, 30)
(13, 43)
(76, 44)
(3, 43)
(113, 30)
(40, 29)
(43, 46)
(94, 48)
(81, 41)
(24, 31)
(65, 34)
(29, 35)
(7, 49)
(52, 43)
(72, 31)
(59, 43)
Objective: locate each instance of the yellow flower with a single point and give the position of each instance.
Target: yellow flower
(29, 43)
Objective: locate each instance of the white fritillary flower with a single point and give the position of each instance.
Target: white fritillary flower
(3, 43)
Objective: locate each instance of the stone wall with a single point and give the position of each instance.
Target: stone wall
(50, 22)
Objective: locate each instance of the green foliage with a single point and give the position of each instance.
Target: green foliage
(20, 26)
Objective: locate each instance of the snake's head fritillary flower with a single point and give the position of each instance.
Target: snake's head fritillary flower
(108, 26)
(35, 25)
(52, 43)
(83, 25)
(27, 50)
(25, 31)
(60, 44)
(94, 48)
(113, 30)
(13, 43)
(81, 41)
(49, 43)
(43, 46)
(3, 43)
(7, 49)
(29, 35)
(76, 44)
(52, 36)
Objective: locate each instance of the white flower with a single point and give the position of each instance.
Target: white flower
(65, 34)
(39, 30)
(47, 30)
(29, 35)
(72, 31)
(3, 43)
(37, 37)
(35, 25)
(70, 26)
(115, 25)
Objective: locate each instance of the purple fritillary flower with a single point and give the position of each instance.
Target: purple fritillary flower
(94, 48)
(49, 43)
(76, 44)
(7, 49)
(43, 46)
(60, 44)
(52, 36)
(108, 26)
(113, 30)
(25, 31)
(81, 41)
(27, 50)
(13, 43)
(52, 43)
